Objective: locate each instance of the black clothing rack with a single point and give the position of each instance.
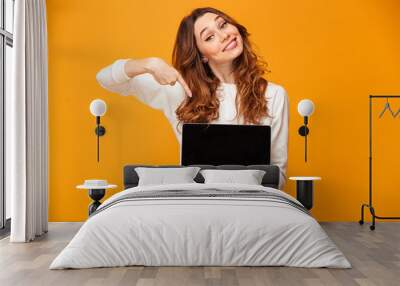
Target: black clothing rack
(369, 205)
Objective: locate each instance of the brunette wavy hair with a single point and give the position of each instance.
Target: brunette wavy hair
(248, 69)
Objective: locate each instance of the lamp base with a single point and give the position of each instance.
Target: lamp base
(100, 130)
(303, 130)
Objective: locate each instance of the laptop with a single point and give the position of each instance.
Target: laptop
(225, 144)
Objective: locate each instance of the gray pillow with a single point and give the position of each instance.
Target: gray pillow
(250, 177)
(162, 176)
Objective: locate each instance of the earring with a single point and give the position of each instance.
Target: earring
(205, 60)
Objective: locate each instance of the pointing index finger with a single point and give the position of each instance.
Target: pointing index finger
(184, 85)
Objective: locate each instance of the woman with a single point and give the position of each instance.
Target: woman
(215, 78)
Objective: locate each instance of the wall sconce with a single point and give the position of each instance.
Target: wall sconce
(305, 109)
(98, 108)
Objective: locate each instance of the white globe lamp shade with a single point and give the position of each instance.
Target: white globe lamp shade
(305, 107)
(98, 107)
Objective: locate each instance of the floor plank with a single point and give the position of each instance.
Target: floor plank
(375, 257)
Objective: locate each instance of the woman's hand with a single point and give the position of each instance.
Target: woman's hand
(165, 74)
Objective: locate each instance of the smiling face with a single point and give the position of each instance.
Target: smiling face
(217, 40)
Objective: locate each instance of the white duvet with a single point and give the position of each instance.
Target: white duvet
(200, 231)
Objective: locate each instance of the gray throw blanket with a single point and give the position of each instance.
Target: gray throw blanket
(204, 193)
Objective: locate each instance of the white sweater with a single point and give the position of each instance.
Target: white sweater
(167, 98)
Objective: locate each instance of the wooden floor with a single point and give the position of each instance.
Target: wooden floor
(375, 257)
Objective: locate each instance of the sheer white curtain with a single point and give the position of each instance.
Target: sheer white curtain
(27, 123)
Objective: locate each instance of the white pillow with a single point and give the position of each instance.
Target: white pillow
(162, 176)
(250, 177)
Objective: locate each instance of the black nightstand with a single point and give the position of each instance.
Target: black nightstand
(96, 193)
(305, 190)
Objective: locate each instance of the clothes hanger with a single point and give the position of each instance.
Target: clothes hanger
(387, 107)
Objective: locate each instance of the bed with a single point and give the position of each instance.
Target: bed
(201, 224)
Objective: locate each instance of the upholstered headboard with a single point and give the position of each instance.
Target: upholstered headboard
(270, 179)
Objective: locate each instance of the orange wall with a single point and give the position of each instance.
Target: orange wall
(335, 53)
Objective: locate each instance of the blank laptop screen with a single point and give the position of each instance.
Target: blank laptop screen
(225, 144)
